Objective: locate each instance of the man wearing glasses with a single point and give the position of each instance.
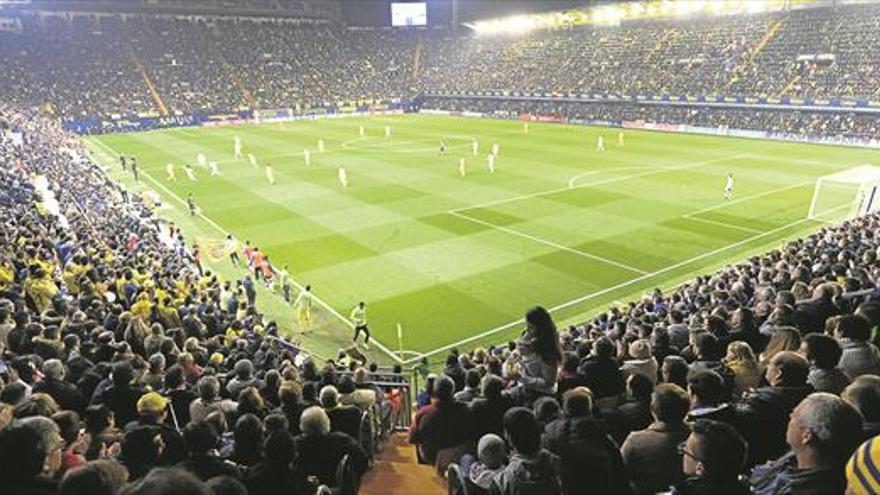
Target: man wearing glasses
(712, 458)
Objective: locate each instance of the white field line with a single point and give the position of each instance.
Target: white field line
(220, 229)
(552, 244)
(389, 147)
(613, 288)
(653, 171)
(721, 224)
(693, 215)
(574, 179)
(749, 198)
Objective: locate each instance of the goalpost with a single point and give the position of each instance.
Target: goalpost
(846, 195)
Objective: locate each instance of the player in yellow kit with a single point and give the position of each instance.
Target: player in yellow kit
(303, 306)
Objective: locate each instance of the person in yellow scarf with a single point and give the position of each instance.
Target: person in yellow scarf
(71, 276)
(40, 288)
(7, 274)
(142, 306)
(233, 333)
(168, 313)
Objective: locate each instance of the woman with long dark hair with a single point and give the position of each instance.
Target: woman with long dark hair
(541, 355)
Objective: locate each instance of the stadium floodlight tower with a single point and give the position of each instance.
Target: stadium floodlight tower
(846, 195)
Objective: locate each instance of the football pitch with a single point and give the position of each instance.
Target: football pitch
(456, 261)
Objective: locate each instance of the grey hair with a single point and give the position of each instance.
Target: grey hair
(53, 368)
(209, 387)
(244, 369)
(157, 362)
(832, 421)
(329, 396)
(314, 422)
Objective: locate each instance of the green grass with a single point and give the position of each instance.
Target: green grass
(453, 258)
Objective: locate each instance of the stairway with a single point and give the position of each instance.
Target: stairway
(417, 58)
(396, 472)
(774, 27)
(768, 36)
(157, 98)
(789, 86)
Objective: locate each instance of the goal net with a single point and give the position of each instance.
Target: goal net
(846, 195)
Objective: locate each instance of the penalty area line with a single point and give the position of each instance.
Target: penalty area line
(621, 285)
(552, 244)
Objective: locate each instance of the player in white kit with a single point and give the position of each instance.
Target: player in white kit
(190, 173)
(620, 139)
(462, 171)
(202, 160)
(212, 166)
(728, 187)
(475, 146)
(361, 131)
(270, 174)
(320, 146)
(600, 143)
(307, 156)
(252, 159)
(169, 170)
(491, 162)
(342, 176)
(496, 148)
(236, 148)
(387, 131)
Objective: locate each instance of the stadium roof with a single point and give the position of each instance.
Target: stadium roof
(613, 13)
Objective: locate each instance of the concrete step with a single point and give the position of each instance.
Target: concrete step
(396, 472)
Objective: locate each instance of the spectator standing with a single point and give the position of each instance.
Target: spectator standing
(541, 355)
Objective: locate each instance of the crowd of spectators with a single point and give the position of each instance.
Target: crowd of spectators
(106, 65)
(125, 364)
(320, 64)
(78, 67)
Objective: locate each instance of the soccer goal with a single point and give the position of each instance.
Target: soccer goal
(846, 195)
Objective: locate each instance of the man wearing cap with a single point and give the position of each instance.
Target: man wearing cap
(153, 410)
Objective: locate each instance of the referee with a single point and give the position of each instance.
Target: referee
(359, 318)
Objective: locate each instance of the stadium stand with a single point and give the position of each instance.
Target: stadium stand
(225, 64)
(128, 368)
